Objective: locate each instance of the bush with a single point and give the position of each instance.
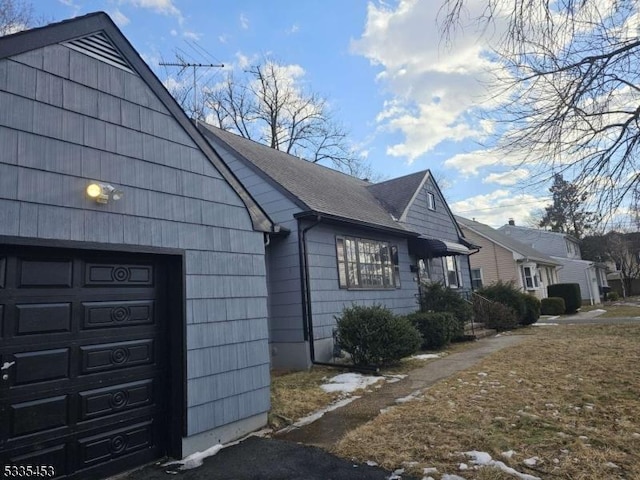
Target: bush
(494, 315)
(532, 309)
(613, 296)
(552, 306)
(375, 336)
(435, 297)
(507, 294)
(437, 328)
(570, 292)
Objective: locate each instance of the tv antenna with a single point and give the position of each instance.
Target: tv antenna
(183, 66)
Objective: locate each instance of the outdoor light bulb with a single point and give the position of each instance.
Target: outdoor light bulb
(94, 190)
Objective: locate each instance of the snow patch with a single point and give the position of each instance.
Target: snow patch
(508, 454)
(531, 462)
(316, 415)
(427, 356)
(349, 382)
(483, 459)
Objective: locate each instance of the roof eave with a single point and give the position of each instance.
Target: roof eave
(353, 222)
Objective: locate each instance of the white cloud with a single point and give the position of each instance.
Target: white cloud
(120, 18)
(294, 29)
(223, 38)
(244, 21)
(164, 7)
(191, 35)
(497, 207)
(433, 89)
(507, 178)
(173, 32)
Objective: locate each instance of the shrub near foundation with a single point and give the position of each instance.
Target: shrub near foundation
(552, 306)
(374, 336)
(435, 297)
(437, 329)
(532, 309)
(571, 294)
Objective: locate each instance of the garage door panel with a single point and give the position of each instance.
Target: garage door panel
(39, 366)
(44, 273)
(38, 415)
(117, 314)
(118, 275)
(43, 318)
(108, 446)
(111, 356)
(85, 335)
(115, 399)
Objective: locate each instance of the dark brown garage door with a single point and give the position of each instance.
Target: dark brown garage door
(83, 352)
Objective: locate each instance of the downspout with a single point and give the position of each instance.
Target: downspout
(305, 287)
(305, 284)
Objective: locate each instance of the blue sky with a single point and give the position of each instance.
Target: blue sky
(409, 102)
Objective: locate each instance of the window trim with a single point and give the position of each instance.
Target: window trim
(431, 201)
(343, 264)
(480, 278)
(533, 276)
(456, 269)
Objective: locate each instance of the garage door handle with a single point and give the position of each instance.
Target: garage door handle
(7, 365)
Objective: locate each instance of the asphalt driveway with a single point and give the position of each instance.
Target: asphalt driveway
(268, 459)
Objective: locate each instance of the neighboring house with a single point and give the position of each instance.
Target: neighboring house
(591, 276)
(350, 241)
(129, 329)
(501, 257)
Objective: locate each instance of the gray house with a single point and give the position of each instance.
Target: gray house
(133, 294)
(349, 241)
(565, 249)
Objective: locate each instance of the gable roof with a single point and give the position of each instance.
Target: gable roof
(314, 188)
(508, 228)
(116, 49)
(397, 193)
(505, 241)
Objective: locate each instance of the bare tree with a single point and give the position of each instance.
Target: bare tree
(570, 88)
(268, 105)
(15, 15)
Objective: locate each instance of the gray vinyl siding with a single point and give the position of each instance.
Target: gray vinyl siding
(438, 224)
(285, 307)
(67, 119)
(575, 271)
(328, 299)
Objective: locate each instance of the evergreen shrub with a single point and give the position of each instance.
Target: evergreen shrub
(435, 297)
(552, 306)
(570, 292)
(532, 309)
(437, 328)
(374, 336)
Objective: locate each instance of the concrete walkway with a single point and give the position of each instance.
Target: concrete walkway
(330, 428)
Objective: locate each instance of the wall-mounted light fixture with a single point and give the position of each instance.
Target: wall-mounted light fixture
(103, 192)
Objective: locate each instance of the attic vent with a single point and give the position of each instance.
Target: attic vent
(100, 47)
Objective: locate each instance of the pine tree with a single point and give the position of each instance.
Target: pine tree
(567, 213)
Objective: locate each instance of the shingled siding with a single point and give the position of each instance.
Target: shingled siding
(496, 262)
(436, 224)
(285, 308)
(66, 119)
(328, 299)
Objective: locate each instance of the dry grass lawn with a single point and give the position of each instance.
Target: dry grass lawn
(614, 311)
(295, 395)
(568, 395)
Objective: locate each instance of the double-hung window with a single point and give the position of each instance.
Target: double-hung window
(476, 278)
(367, 264)
(452, 277)
(530, 275)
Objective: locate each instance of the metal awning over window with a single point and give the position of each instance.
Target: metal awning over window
(433, 247)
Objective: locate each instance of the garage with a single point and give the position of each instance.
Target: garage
(84, 353)
(133, 293)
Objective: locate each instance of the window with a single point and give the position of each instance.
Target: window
(424, 270)
(431, 201)
(368, 264)
(476, 278)
(530, 275)
(452, 276)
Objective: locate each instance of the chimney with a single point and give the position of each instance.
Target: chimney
(512, 222)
